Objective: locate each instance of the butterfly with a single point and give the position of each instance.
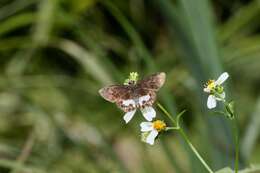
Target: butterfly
(135, 95)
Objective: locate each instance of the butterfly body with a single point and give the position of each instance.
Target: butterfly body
(134, 95)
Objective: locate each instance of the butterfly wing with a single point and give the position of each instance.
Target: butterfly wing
(147, 98)
(114, 93)
(153, 82)
(141, 95)
(122, 95)
(147, 88)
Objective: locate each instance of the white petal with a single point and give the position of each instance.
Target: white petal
(207, 90)
(143, 98)
(129, 115)
(212, 102)
(146, 126)
(148, 113)
(222, 78)
(152, 135)
(128, 102)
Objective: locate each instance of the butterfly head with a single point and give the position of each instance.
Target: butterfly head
(130, 82)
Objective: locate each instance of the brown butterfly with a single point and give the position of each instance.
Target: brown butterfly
(134, 95)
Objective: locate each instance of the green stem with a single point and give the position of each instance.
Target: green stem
(195, 150)
(236, 136)
(235, 128)
(172, 128)
(185, 137)
(166, 113)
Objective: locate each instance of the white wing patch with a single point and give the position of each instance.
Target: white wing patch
(129, 102)
(143, 99)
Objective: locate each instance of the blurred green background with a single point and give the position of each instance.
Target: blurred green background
(57, 54)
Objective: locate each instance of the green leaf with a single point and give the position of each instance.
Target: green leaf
(88, 60)
(178, 117)
(15, 22)
(219, 113)
(249, 140)
(230, 110)
(252, 169)
(242, 19)
(225, 170)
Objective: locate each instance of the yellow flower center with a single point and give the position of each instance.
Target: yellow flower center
(159, 125)
(210, 84)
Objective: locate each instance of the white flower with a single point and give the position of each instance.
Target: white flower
(215, 90)
(147, 110)
(151, 130)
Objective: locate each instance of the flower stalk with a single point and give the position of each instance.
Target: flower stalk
(217, 93)
(185, 137)
(231, 115)
(235, 126)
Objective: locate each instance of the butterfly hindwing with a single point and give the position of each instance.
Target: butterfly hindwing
(127, 105)
(141, 100)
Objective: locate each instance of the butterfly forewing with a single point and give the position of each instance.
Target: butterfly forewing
(153, 82)
(115, 93)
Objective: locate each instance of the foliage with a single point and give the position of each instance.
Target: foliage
(57, 54)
